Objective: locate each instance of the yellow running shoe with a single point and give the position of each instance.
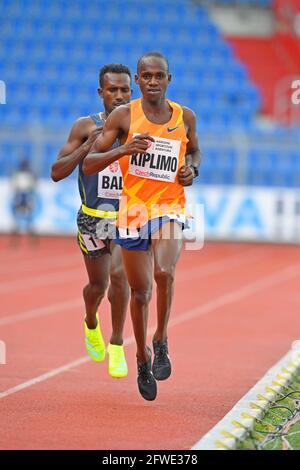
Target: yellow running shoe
(94, 342)
(117, 365)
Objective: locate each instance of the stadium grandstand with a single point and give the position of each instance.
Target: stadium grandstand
(232, 61)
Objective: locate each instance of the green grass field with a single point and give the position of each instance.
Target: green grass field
(279, 428)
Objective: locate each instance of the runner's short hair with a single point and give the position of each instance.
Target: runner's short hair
(113, 68)
(159, 55)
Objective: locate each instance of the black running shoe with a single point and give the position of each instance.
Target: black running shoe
(146, 381)
(161, 364)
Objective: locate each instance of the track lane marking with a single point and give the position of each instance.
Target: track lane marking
(233, 296)
(214, 267)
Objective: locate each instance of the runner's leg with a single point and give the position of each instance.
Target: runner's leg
(166, 251)
(98, 273)
(138, 266)
(118, 295)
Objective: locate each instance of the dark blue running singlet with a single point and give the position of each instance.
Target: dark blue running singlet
(101, 191)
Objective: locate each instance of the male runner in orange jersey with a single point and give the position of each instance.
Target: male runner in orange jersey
(100, 195)
(156, 135)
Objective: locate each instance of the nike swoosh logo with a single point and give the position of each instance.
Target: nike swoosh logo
(171, 129)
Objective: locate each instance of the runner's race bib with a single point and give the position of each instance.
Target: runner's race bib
(110, 182)
(92, 243)
(159, 163)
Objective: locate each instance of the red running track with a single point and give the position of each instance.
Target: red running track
(235, 314)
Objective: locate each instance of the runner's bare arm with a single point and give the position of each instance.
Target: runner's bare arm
(116, 126)
(193, 153)
(82, 135)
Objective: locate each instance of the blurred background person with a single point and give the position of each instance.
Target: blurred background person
(23, 185)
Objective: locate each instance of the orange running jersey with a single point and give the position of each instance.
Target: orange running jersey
(150, 180)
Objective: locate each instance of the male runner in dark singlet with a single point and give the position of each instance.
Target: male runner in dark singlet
(100, 203)
(156, 135)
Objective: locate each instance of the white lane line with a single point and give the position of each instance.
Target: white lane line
(57, 371)
(41, 280)
(43, 377)
(44, 264)
(73, 260)
(240, 293)
(42, 311)
(201, 271)
(226, 433)
(220, 265)
(31, 253)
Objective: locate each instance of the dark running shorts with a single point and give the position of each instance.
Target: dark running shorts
(140, 239)
(94, 235)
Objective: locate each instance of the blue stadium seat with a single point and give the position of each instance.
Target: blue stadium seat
(51, 52)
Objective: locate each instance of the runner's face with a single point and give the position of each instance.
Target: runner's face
(153, 78)
(115, 90)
